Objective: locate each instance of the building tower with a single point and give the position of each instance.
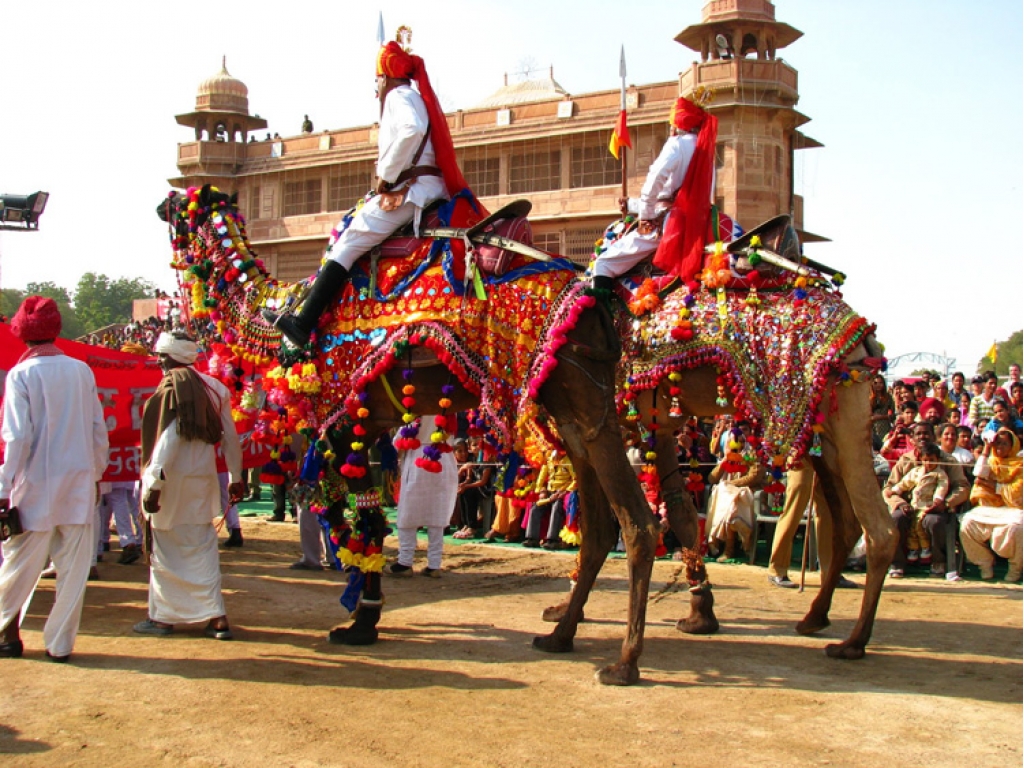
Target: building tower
(754, 96)
(222, 123)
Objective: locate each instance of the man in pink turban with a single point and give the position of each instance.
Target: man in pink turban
(55, 454)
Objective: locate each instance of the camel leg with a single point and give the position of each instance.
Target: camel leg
(846, 454)
(606, 462)
(598, 534)
(682, 518)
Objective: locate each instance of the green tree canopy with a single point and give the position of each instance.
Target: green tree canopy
(71, 326)
(101, 301)
(1008, 352)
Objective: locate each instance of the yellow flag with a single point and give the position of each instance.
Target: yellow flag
(992, 353)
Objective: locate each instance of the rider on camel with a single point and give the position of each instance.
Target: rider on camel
(415, 166)
(674, 205)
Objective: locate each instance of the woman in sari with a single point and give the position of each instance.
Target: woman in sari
(993, 526)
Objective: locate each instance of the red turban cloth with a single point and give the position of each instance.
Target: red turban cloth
(932, 402)
(394, 61)
(681, 250)
(37, 319)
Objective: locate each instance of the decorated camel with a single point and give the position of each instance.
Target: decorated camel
(764, 334)
(408, 335)
(549, 340)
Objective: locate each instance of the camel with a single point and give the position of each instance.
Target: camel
(796, 363)
(572, 377)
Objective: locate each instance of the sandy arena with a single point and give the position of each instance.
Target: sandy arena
(455, 681)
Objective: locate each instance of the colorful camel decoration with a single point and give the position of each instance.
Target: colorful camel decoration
(536, 345)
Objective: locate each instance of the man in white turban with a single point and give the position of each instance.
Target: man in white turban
(188, 414)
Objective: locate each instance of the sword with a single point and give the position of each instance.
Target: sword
(487, 238)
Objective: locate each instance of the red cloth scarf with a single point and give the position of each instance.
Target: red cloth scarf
(393, 61)
(681, 250)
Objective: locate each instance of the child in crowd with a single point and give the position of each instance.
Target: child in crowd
(928, 485)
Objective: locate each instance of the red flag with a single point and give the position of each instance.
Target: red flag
(620, 136)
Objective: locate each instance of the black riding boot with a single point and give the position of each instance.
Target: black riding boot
(298, 327)
(603, 283)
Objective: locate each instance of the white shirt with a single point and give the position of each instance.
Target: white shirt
(666, 175)
(189, 488)
(403, 124)
(56, 440)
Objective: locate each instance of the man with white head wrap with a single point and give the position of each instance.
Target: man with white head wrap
(188, 414)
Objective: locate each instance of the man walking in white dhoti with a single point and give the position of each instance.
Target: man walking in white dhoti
(188, 414)
(55, 455)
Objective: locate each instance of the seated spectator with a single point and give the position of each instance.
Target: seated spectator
(898, 442)
(474, 482)
(928, 485)
(920, 389)
(900, 394)
(1016, 401)
(940, 391)
(731, 506)
(555, 481)
(965, 409)
(933, 519)
(949, 441)
(993, 526)
(956, 391)
(1001, 419)
(1013, 376)
(931, 410)
(883, 408)
(981, 404)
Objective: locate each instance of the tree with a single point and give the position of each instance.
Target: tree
(1008, 352)
(101, 301)
(10, 300)
(72, 327)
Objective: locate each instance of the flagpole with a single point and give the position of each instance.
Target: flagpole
(622, 109)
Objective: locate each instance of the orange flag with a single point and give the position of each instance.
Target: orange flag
(620, 136)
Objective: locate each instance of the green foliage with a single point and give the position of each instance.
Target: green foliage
(1007, 352)
(71, 326)
(101, 301)
(98, 301)
(923, 371)
(10, 300)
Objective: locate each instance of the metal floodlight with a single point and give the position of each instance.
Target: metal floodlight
(22, 211)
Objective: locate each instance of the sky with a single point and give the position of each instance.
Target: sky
(918, 104)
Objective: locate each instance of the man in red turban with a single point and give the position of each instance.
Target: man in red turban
(674, 205)
(415, 166)
(55, 454)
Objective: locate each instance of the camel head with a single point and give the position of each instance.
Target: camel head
(227, 282)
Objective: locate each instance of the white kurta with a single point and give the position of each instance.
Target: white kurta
(427, 498)
(56, 452)
(56, 442)
(664, 178)
(190, 494)
(184, 581)
(403, 123)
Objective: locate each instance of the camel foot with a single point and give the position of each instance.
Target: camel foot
(554, 613)
(623, 673)
(551, 644)
(353, 635)
(849, 651)
(697, 624)
(702, 620)
(811, 624)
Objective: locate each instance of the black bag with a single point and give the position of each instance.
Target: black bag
(10, 524)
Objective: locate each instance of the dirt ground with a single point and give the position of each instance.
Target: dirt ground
(454, 680)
